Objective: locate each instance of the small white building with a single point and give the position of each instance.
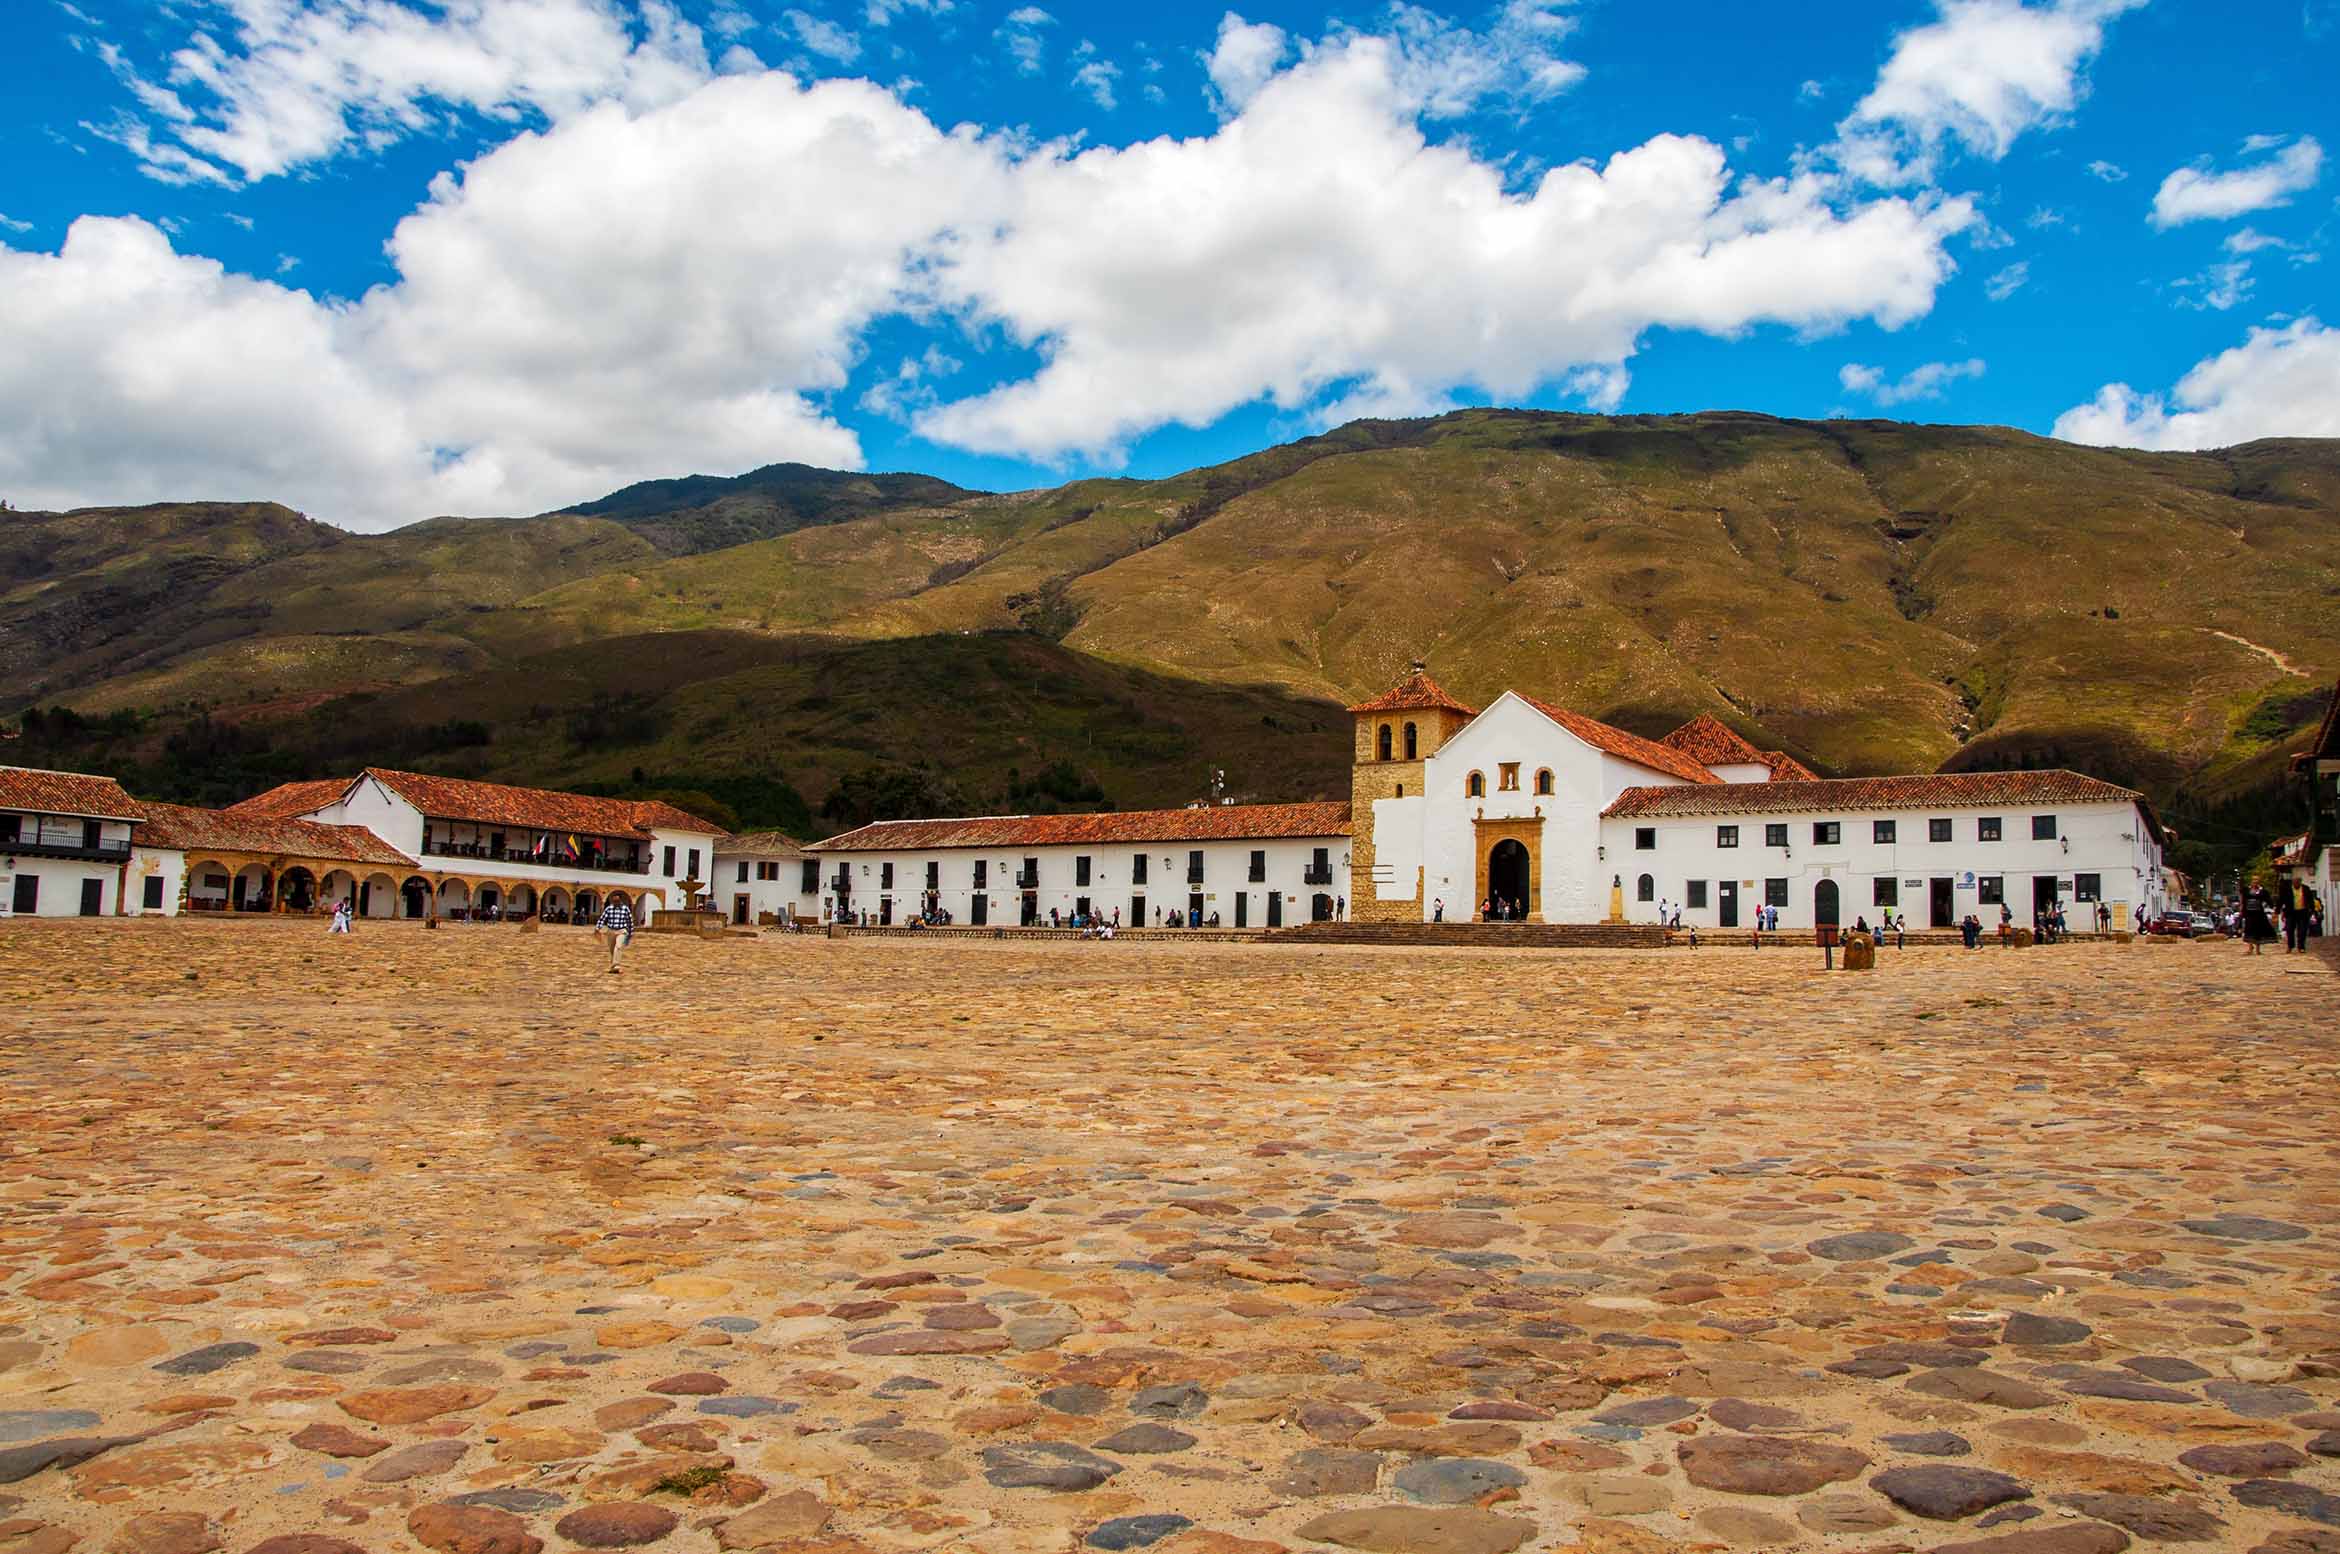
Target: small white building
(65, 843)
(492, 850)
(1238, 865)
(766, 877)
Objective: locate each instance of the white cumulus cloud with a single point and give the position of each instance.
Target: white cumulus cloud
(1243, 60)
(298, 81)
(1925, 382)
(2277, 383)
(2198, 193)
(1981, 74)
(635, 289)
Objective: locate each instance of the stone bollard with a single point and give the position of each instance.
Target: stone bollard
(2021, 939)
(1860, 952)
(528, 925)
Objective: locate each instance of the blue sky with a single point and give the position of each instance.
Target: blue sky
(381, 259)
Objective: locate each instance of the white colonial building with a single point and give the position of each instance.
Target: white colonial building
(1559, 818)
(766, 877)
(1240, 865)
(491, 850)
(65, 843)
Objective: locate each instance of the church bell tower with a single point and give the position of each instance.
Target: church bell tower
(1397, 732)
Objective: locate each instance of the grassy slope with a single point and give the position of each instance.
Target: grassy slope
(1874, 596)
(975, 707)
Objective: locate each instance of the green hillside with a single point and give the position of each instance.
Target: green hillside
(1872, 595)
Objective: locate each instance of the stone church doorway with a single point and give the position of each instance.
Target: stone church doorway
(1509, 874)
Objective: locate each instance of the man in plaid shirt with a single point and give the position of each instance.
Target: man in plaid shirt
(617, 926)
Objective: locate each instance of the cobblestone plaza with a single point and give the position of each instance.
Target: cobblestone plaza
(448, 1240)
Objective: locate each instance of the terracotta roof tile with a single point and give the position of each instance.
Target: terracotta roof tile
(66, 793)
(1786, 768)
(1226, 823)
(501, 804)
(290, 800)
(1942, 790)
(1624, 746)
(1711, 742)
(758, 842)
(1416, 692)
(228, 830)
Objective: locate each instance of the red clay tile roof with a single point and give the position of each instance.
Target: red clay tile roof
(1624, 746)
(758, 842)
(228, 830)
(66, 793)
(1786, 768)
(1225, 823)
(1416, 692)
(290, 800)
(1709, 741)
(500, 804)
(1942, 790)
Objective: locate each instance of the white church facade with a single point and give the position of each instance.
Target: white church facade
(1564, 819)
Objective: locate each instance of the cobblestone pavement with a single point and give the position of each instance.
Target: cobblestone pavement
(451, 1240)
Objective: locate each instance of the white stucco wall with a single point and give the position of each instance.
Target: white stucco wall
(1226, 877)
(167, 864)
(2108, 840)
(783, 897)
(1575, 884)
(58, 887)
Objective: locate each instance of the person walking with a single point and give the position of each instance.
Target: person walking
(616, 926)
(2258, 927)
(1438, 910)
(340, 922)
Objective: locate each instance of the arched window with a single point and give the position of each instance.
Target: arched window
(1646, 890)
(1410, 746)
(1544, 781)
(1475, 785)
(1381, 745)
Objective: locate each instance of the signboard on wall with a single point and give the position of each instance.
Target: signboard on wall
(1966, 880)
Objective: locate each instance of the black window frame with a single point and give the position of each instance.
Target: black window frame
(1884, 831)
(1080, 869)
(1726, 836)
(1775, 833)
(743, 871)
(2088, 887)
(1645, 888)
(1827, 833)
(1775, 892)
(1696, 892)
(886, 875)
(1941, 829)
(1258, 872)
(1645, 839)
(1137, 869)
(1885, 891)
(2043, 828)
(1989, 828)
(810, 884)
(1990, 889)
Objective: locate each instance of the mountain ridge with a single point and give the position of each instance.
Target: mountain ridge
(1871, 595)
